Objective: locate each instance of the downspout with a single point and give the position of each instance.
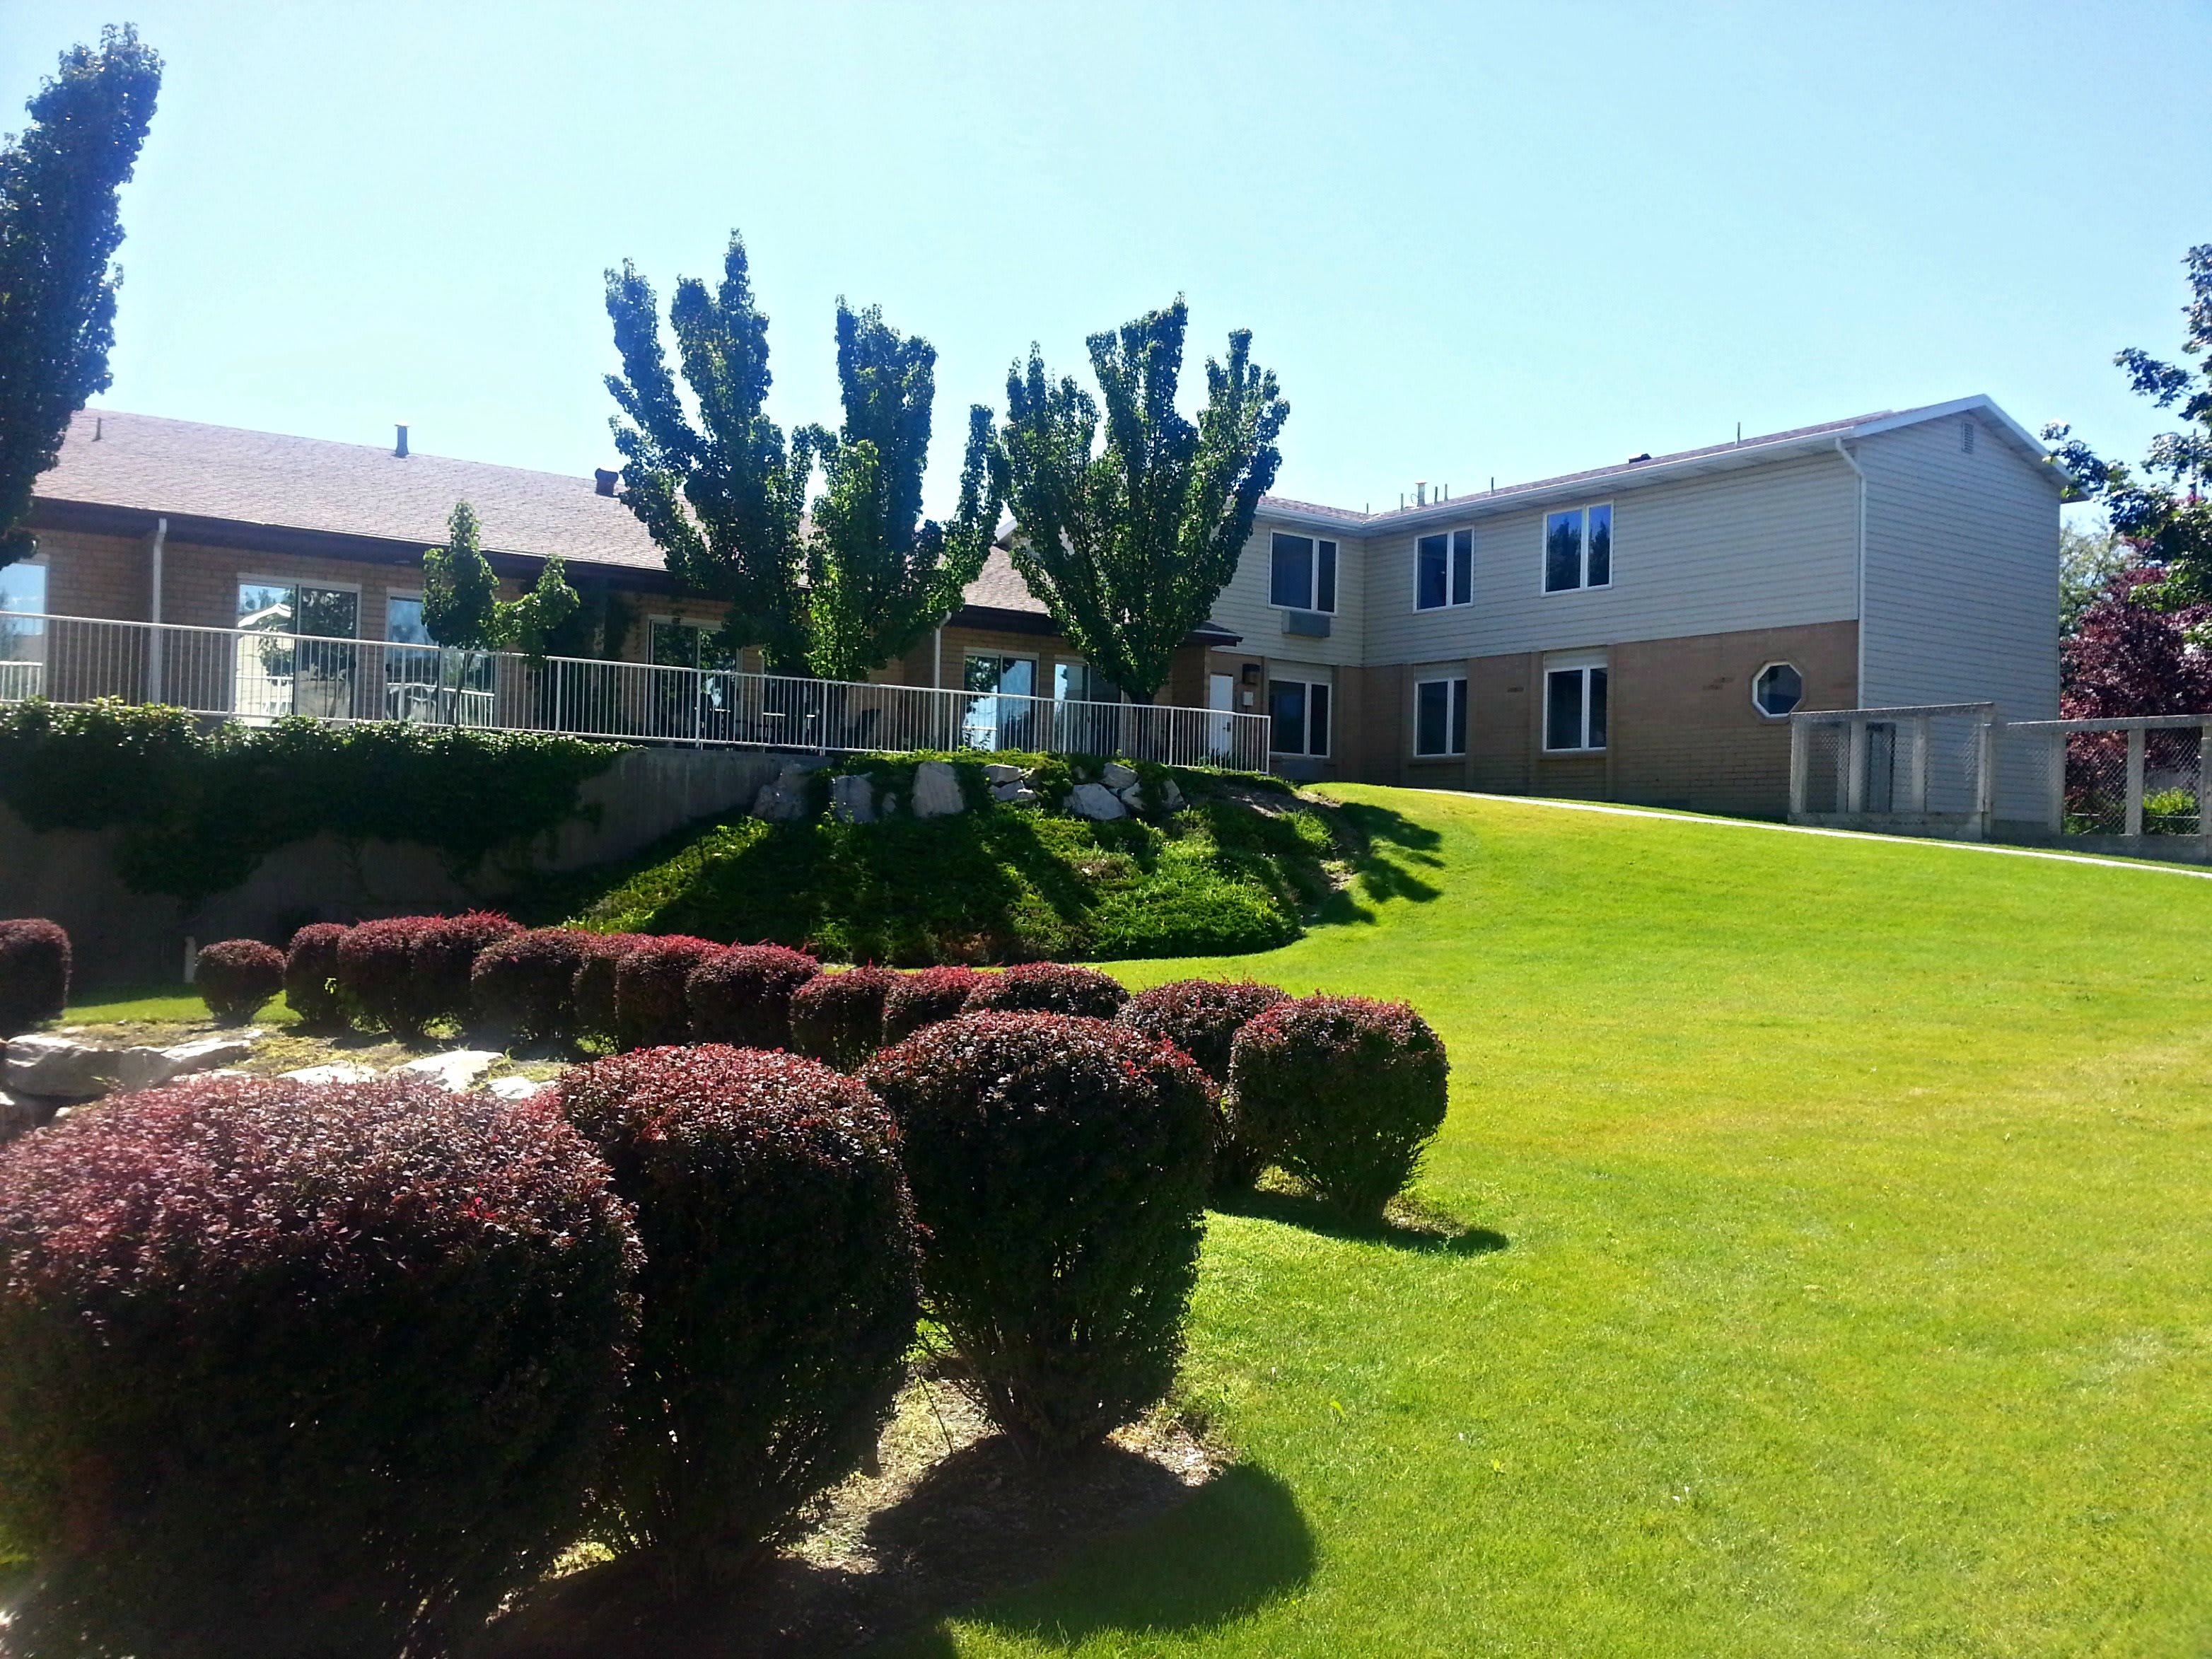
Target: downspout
(1859, 690)
(154, 546)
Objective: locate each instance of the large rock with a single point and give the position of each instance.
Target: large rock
(1117, 777)
(1170, 797)
(1016, 793)
(515, 1088)
(70, 1068)
(998, 772)
(784, 801)
(853, 798)
(455, 1072)
(337, 1071)
(1096, 800)
(937, 791)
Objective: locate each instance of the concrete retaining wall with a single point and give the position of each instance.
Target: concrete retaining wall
(122, 938)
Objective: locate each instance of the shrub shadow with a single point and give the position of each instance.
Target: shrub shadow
(1407, 1227)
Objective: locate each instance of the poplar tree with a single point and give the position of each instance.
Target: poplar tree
(461, 606)
(1129, 542)
(59, 228)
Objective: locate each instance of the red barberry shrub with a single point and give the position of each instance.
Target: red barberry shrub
(404, 972)
(235, 977)
(925, 997)
(1058, 1168)
(445, 957)
(742, 997)
(838, 1018)
(522, 988)
(1201, 1017)
(778, 1289)
(1048, 987)
(311, 974)
(593, 990)
(1346, 1094)
(34, 974)
(287, 1369)
(650, 1005)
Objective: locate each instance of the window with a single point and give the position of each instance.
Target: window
(1440, 717)
(1297, 712)
(1079, 682)
(1574, 709)
(23, 589)
(1302, 574)
(1778, 688)
(275, 607)
(1578, 549)
(22, 641)
(1444, 570)
(275, 676)
(1000, 715)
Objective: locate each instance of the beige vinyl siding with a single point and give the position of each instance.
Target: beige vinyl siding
(1769, 546)
(1962, 572)
(1243, 609)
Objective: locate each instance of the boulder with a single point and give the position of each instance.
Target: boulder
(1096, 800)
(456, 1071)
(17, 1117)
(1132, 797)
(69, 1068)
(1170, 797)
(338, 1071)
(784, 801)
(852, 799)
(1016, 793)
(998, 772)
(937, 791)
(515, 1088)
(1117, 777)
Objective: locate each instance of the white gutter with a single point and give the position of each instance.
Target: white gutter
(1859, 691)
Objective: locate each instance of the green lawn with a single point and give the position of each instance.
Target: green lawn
(1856, 1287)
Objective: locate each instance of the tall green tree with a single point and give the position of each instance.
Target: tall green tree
(1129, 542)
(461, 606)
(59, 228)
(2160, 509)
(726, 496)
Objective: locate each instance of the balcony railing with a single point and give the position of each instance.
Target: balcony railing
(254, 676)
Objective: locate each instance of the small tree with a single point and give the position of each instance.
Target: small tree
(1128, 548)
(2128, 656)
(2163, 515)
(461, 606)
(59, 228)
(724, 500)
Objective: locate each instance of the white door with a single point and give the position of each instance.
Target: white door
(1221, 694)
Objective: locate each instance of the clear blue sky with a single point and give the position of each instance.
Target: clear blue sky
(1472, 241)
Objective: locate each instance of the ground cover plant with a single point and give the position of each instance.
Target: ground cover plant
(778, 1291)
(1058, 1167)
(287, 1369)
(1242, 866)
(1798, 1273)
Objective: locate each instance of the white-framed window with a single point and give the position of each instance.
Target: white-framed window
(1440, 716)
(22, 631)
(276, 604)
(1777, 689)
(1079, 682)
(1578, 548)
(1297, 714)
(1302, 574)
(1443, 569)
(403, 620)
(23, 588)
(1574, 705)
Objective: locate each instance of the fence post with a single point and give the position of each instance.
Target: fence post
(2205, 787)
(1985, 778)
(1855, 744)
(1917, 788)
(2057, 769)
(2133, 824)
(1799, 732)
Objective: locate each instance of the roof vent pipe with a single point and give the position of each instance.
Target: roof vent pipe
(399, 446)
(1421, 492)
(604, 480)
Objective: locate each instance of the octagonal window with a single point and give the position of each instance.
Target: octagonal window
(1778, 689)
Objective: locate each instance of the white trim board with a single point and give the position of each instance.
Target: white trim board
(2152, 865)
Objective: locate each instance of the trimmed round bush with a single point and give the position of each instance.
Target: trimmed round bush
(593, 990)
(1048, 987)
(445, 953)
(522, 988)
(838, 1018)
(311, 974)
(1345, 1093)
(1058, 1168)
(236, 977)
(34, 974)
(925, 997)
(778, 1288)
(290, 1370)
(651, 1009)
(404, 972)
(1201, 1017)
(742, 996)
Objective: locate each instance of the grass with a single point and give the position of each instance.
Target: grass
(1835, 1278)
(1241, 868)
(161, 1005)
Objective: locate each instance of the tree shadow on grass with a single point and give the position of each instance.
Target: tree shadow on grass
(1389, 847)
(1408, 1225)
(1228, 1552)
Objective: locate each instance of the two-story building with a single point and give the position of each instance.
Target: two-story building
(1639, 632)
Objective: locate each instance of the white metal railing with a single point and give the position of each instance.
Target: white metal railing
(255, 676)
(1957, 769)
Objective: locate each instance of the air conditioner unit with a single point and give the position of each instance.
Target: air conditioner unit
(1312, 624)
